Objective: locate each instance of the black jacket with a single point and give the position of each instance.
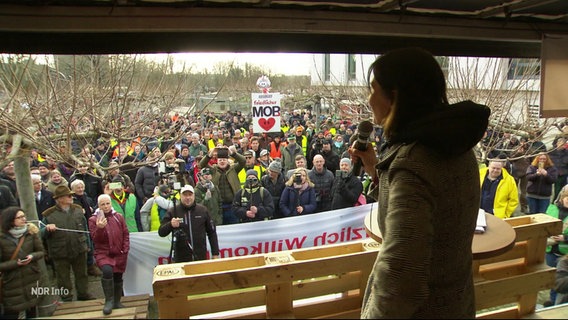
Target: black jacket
(244, 199)
(6, 198)
(345, 191)
(201, 226)
(45, 202)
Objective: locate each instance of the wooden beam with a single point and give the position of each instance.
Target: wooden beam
(97, 30)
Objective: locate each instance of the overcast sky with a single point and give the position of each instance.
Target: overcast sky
(277, 63)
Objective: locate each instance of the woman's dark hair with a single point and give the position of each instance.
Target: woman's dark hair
(7, 218)
(413, 78)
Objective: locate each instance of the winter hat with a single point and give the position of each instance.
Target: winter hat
(184, 146)
(249, 153)
(346, 160)
(252, 172)
(275, 166)
(263, 152)
(118, 178)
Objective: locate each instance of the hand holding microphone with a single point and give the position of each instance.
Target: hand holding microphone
(361, 143)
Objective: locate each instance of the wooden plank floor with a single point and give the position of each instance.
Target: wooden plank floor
(136, 308)
(554, 312)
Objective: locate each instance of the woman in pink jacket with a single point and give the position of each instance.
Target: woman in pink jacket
(112, 242)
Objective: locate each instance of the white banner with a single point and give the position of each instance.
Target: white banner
(148, 249)
(266, 112)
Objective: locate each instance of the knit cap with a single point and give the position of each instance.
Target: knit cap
(347, 160)
(275, 166)
(252, 172)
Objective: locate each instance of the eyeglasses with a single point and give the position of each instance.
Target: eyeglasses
(20, 217)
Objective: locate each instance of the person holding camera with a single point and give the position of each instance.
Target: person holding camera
(253, 202)
(155, 208)
(299, 196)
(190, 224)
(346, 187)
(208, 195)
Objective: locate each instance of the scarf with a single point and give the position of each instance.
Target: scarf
(18, 232)
(301, 187)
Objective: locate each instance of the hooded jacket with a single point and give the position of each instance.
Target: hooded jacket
(428, 195)
(19, 280)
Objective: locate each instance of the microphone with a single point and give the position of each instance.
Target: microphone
(364, 130)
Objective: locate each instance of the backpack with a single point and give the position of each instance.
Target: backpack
(261, 193)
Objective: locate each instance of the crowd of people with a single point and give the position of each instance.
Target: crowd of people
(214, 170)
(217, 172)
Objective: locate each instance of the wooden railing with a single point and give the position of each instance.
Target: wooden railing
(275, 285)
(514, 279)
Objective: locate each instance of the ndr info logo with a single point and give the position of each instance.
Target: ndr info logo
(49, 291)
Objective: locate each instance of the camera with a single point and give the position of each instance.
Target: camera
(318, 145)
(298, 178)
(114, 185)
(341, 174)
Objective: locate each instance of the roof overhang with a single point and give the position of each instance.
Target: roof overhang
(113, 30)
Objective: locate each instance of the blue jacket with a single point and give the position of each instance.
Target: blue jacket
(290, 199)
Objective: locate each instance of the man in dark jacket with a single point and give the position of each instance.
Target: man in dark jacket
(68, 250)
(275, 183)
(346, 187)
(147, 178)
(189, 224)
(323, 181)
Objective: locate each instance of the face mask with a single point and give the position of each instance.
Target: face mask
(252, 182)
(338, 143)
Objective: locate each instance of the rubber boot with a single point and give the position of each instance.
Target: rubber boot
(108, 290)
(117, 295)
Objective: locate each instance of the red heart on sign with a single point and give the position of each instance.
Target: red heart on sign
(266, 124)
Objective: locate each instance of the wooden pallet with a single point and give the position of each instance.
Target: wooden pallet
(271, 285)
(136, 308)
(268, 284)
